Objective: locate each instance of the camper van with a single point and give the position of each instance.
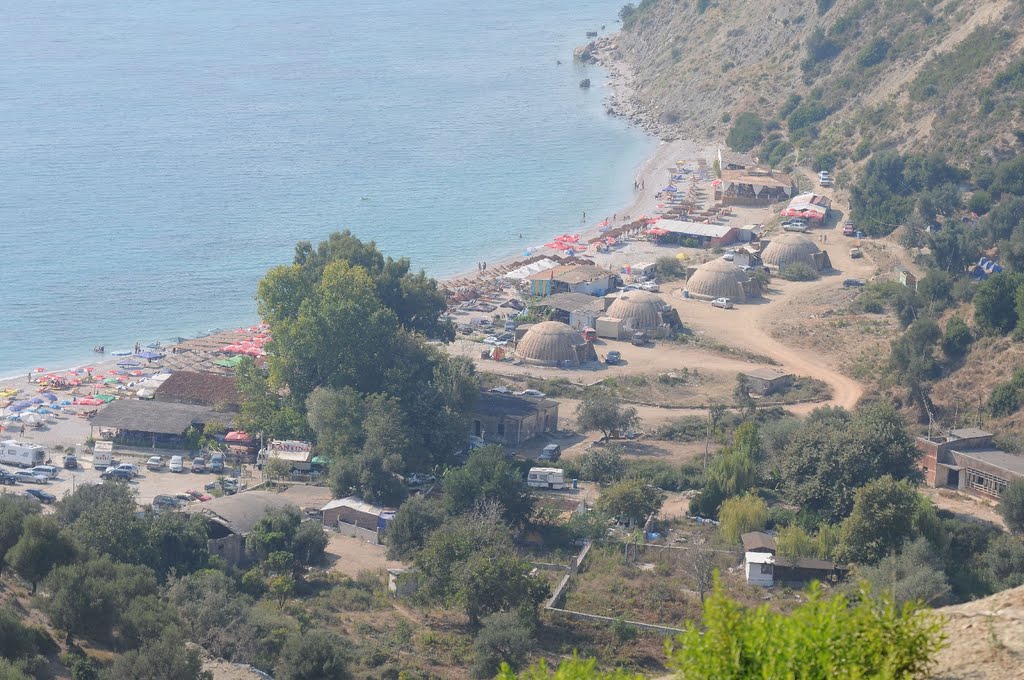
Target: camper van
(21, 454)
(546, 478)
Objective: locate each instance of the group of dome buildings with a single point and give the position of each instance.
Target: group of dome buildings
(620, 315)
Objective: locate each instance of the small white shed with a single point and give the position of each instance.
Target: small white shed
(760, 568)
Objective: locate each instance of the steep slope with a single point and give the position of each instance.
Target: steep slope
(984, 639)
(847, 77)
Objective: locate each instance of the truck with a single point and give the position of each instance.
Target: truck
(21, 454)
(546, 478)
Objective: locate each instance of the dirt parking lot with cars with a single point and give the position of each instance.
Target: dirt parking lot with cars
(148, 484)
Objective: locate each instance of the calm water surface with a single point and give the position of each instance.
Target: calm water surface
(157, 157)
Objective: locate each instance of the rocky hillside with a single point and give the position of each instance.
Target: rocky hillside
(846, 77)
(984, 639)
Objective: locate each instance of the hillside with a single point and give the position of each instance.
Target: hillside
(984, 639)
(845, 77)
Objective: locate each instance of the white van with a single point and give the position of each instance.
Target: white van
(47, 470)
(546, 478)
(176, 464)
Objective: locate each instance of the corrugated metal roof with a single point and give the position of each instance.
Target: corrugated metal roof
(695, 228)
(356, 504)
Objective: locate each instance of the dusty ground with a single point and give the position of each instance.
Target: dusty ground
(963, 505)
(352, 555)
(984, 639)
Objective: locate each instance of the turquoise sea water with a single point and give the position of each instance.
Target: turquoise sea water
(157, 157)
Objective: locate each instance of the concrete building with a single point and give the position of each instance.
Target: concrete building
(637, 310)
(721, 278)
(811, 207)
(792, 248)
(551, 343)
(510, 420)
(753, 187)
(967, 460)
(766, 569)
(577, 310)
(232, 518)
(355, 517)
(768, 380)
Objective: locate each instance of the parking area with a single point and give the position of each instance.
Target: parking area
(148, 485)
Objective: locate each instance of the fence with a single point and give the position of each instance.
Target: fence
(346, 529)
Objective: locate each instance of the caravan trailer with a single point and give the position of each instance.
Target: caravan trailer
(546, 478)
(21, 454)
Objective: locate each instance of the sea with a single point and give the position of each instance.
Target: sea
(156, 158)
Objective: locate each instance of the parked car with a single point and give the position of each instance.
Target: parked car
(118, 474)
(723, 303)
(47, 470)
(849, 229)
(41, 496)
(176, 464)
(217, 463)
(529, 393)
(551, 452)
(155, 463)
(613, 357)
(639, 338)
(167, 502)
(29, 477)
(650, 287)
(852, 283)
(70, 461)
(420, 479)
(7, 478)
(229, 486)
(729, 256)
(799, 228)
(855, 253)
(500, 390)
(127, 467)
(198, 464)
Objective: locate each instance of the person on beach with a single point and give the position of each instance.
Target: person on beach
(584, 215)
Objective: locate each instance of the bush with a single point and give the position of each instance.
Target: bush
(742, 514)
(669, 268)
(504, 639)
(746, 132)
(602, 465)
(1011, 506)
(823, 161)
(798, 271)
(873, 53)
(957, 339)
(980, 202)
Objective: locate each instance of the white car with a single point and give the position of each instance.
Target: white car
(729, 256)
(127, 467)
(529, 393)
(155, 463)
(29, 477)
(724, 303)
(650, 287)
(47, 470)
(177, 464)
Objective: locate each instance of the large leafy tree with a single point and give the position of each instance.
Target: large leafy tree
(470, 562)
(881, 521)
(630, 500)
(413, 522)
(601, 410)
(166, 658)
(1011, 506)
(13, 511)
(834, 453)
(40, 548)
(487, 477)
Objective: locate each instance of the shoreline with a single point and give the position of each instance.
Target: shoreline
(650, 173)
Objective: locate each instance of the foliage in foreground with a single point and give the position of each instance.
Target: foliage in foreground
(825, 638)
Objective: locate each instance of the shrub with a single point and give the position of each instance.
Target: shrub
(798, 271)
(504, 639)
(980, 202)
(1011, 506)
(742, 514)
(873, 53)
(746, 132)
(957, 338)
(669, 268)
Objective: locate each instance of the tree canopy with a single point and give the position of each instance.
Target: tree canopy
(601, 410)
(487, 476)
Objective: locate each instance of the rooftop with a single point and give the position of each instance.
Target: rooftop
(582, 274)
(969, 433)
(756, 541)
(159, 417)
(572, 302)
(764, 178)
(694, 228)
(498, 404)
(766, 373)
(356, 504)
(194, 387)
(240, 512)
(995, 457)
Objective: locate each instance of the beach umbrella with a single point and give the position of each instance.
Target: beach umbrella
(66, 402)
(113, 371)
(50, 396)
(670, 189)
(36, 400)
(110, 380)
(40, 370)
(136, 372)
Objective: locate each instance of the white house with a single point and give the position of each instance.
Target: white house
(760, 568)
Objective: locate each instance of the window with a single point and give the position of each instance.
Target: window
(984, 482)
(766, 569)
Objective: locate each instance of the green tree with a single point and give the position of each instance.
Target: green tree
(882, 519)
(823, 638)
(309, 543)
(313, 655)
(40, 548)
(280, 587)
(166, 658)
(504, 639)
(957, 338)
(469, 562)
(630, 500)
(915, 574)
(413, 522)
(144, 618)
(488, 476)
(601, 410)
(1011, 506)
(282, 530)
(793, 542)
(740, 515)
(17, 641)
(603, 465)
(212, 612)
(569, 669)
(995, 310)
(746, 132)
(177, 542)
(1002, 563)
(669, 268)
(13, 511)
(832, 454)
(89, 598)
